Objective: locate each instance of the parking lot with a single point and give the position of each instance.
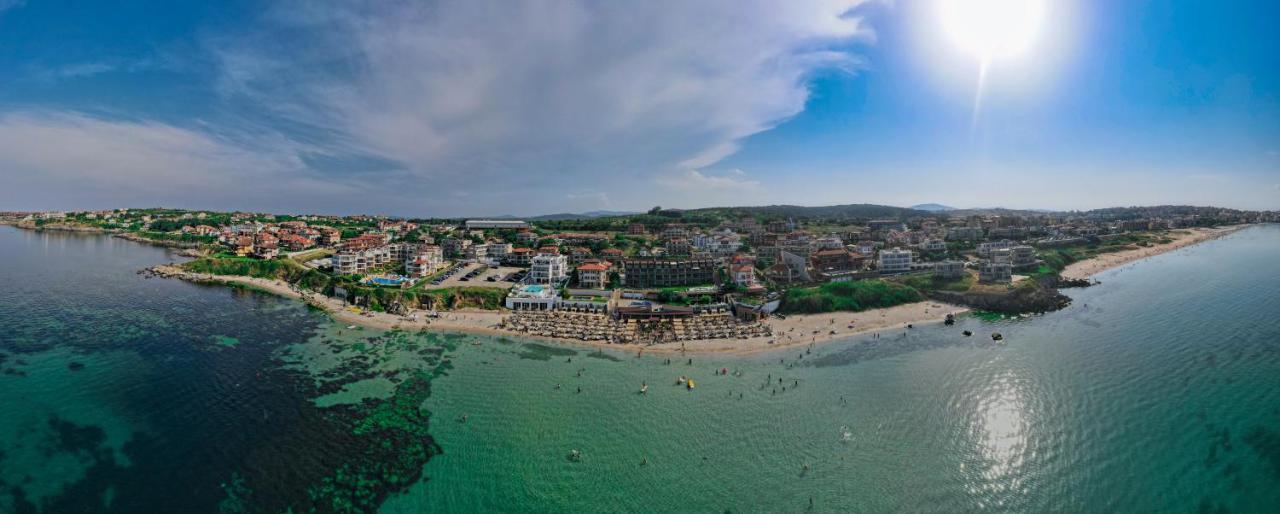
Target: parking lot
(477, 275)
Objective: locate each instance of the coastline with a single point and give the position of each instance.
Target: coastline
(1103, 262)
(793, 331)
(796, 330)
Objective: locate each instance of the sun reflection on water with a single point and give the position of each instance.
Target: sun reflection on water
(1001, 432)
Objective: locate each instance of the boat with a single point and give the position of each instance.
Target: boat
(351, 327)
(681, 380)
(967, 333)
(690, 384)
(997, 337)
(644, 388)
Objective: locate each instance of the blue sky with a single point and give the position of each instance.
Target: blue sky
(472, 108)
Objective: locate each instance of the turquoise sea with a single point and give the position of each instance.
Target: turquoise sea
(1156, 391)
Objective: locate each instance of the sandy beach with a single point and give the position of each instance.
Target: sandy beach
(792, 331)
(1181, 239)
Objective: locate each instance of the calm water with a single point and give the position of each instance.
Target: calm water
(1157, 391)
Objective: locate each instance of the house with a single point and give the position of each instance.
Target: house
(546, 268)
(594, 274)
(498, 251)
(836, 259)
(895, 260)
(948, 270)
(294, 242)
(268, 250)
(678, 246)
(636, 229)
(1023, 256)
(425, 261)
(476, 253)
(965, 234)
(985, 249)
(933, 245)
(743, 275)
(520, 256)
(579, 254)
(454, 246)
(995, 272)
(612, 254)
(526, 237)
(244, 246)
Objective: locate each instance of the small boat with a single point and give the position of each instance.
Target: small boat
(997, 337)
(690, 384)
(681, 380)
(967, 333)
(644, 388)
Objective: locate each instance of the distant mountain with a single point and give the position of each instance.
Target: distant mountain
(579, 216)
(834, 212)
(932, 207)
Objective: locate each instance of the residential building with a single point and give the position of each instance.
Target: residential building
(894, 260)
(579, 254)
(498, 251)
(664, 272)
(678, 246)
(985, 249)
(594, 274)
(427, 260)
(948, 269)
(520, 256)
(965, 234)
(839, 259)
(995, 272)
(1023, 256)
(526, 237)
(933, 245)
(476, 253)
(454, 246)
(612, 254)
(548, 268)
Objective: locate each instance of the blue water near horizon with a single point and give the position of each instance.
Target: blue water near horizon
(1156, 391)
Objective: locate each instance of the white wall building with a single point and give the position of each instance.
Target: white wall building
(548, 269)
(895, 260)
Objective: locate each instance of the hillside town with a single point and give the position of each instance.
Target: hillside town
(663, 276)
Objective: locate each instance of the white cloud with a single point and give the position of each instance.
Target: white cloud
(52, 160)
(538, 96)
(696, 181)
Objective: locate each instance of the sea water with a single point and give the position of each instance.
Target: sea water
(1156, 391)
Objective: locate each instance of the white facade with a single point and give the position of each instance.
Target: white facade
(985, 249)
(895, 261)
(548, 269)
(933, 245)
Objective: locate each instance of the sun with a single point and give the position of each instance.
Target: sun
(992, 29)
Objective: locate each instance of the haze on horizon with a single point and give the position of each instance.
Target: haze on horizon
(460, 108)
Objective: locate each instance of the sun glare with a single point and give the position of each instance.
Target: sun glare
(992, 29)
